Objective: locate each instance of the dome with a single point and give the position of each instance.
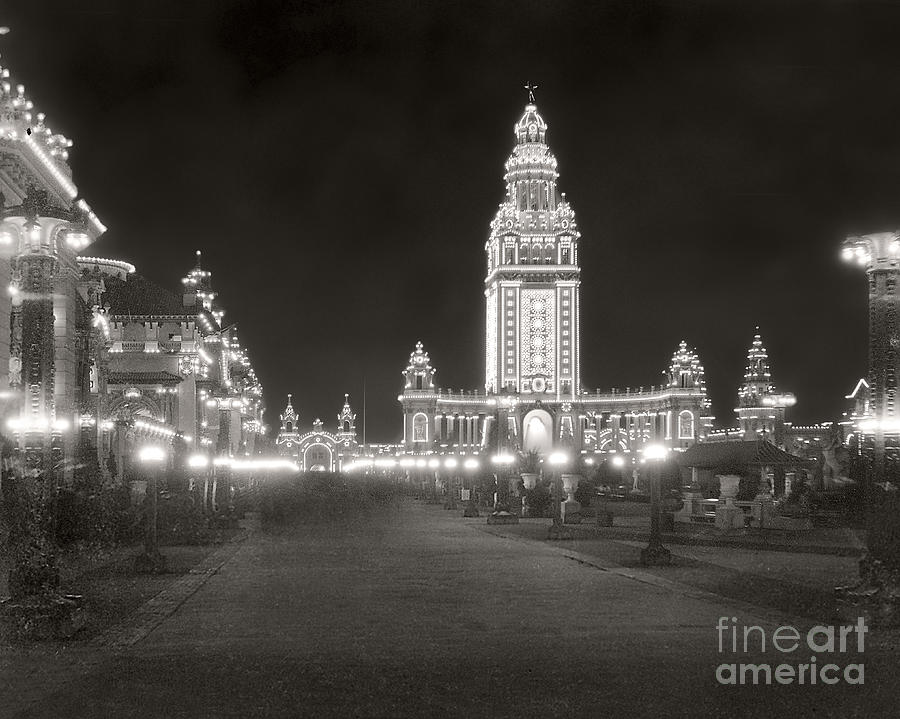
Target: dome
(531, 127)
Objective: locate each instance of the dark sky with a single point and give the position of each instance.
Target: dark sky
(339, 164)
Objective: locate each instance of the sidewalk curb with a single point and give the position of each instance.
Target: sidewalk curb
(757, 542)
(767, 614)
(160, 607)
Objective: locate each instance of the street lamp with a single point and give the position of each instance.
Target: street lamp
(557, 461)
(502, 461)
(471, 510)
(452, 480)
(500, 515)
(151, 561)
(655, 552)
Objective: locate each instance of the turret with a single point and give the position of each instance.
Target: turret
(419, 373)
(346, 422)
(419, 400)
(761, 408)
(289, 434)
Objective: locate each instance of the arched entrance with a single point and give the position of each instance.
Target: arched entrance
(537, 432)
(317, 457)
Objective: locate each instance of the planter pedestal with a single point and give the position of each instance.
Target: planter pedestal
(729, 516)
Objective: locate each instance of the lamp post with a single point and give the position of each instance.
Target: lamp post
(557, 530)
(450, 464)
(151, 561)
(655, 553)
(605, 518)
(471, 510)
(501, 515)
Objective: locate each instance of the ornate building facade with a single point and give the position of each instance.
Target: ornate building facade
(45, 309)
(533, 396)
(167, 368)
(317, 449)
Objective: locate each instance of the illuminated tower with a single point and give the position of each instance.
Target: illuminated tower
(288, 440)
(532, 283)
(879, 254)
(760, 407)
(347, 422)
(419, 400)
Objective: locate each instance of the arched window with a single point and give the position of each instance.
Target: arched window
(549, 251)
(419, 379)
(420, 428)
(289, 427)
(346, 425)
(685, 425)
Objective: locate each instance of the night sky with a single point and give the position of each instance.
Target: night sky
(339, 163)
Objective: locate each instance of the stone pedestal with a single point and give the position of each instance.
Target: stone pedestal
(764, 512)
(764, 502)
(729, 517)
(692, 498)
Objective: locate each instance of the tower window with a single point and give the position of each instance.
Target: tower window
(420, 428)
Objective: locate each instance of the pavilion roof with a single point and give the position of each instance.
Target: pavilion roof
(139, 296)
(751, 453)
(162, 377)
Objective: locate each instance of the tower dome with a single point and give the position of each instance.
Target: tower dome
(531, 126)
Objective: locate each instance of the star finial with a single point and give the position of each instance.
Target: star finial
(531, 87)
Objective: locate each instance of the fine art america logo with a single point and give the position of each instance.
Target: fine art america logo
(815, 657)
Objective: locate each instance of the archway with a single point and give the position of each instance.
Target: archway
(537, 432)
(317, 457)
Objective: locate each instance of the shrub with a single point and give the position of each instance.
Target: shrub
(538, 501)
(94, 512)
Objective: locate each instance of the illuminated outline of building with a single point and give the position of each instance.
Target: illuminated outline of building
(533, 388)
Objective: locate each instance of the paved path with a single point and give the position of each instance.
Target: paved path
(422, 614)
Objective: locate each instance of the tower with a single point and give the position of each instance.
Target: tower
(879, 255)
(761, 408)
(288, 439)
(346, 422)
(532, 284)
(419, 400)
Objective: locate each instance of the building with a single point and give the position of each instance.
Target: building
(48, 341)
(168, 368)
(319, 450)
(761, 409)
(533, 388)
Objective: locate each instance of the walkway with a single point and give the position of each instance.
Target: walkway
(418, 613)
